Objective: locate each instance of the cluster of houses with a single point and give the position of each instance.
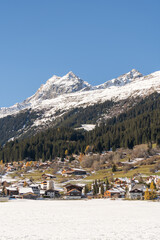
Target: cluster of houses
(130, 188)
(25, 189)
(47, 189)
(126, 188)
(119, 188)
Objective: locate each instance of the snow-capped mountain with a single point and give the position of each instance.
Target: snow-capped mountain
(54, 87)
(62, 94)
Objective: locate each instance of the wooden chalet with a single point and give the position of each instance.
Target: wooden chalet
(69, 187)
(10, 191)
(73, 191)
(136, 194)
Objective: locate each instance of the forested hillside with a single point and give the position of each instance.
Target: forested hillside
(141, 124)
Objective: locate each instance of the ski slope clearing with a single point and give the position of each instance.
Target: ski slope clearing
(84, 219)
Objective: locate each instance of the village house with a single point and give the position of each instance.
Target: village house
(115, 193)
(51, 193)
(136, 194)
(28, 193)
(35, 188)
(136, 191)
(74, 171)
(11, 191)
(73, 191)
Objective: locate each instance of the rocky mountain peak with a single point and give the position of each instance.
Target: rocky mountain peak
(56, 86)
(71, 75)
(134, 74)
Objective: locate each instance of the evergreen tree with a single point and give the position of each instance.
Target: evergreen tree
(86, 189)
(107, 184)
(114, 168)
(102, 189)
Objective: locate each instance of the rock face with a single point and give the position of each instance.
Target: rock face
(62, 94)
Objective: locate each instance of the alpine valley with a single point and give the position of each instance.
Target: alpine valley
(71, 103)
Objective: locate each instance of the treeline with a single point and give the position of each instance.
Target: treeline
(141, 124)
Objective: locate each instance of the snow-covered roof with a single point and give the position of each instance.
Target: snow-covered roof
(34, 186)
(25, 190)
(11, 188)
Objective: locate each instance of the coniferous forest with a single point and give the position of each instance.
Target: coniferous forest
(140, 124)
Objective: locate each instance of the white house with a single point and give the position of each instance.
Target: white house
(35, 189)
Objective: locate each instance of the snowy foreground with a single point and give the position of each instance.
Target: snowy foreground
(84, 219)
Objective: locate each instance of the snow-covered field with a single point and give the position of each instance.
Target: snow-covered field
(86, 219)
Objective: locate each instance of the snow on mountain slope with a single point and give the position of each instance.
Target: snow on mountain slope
(65, 93)
(142, 87)
(121, 80)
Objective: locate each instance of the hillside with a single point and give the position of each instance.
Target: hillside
(138, 125)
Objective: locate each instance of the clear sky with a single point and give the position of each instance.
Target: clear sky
(96, 39)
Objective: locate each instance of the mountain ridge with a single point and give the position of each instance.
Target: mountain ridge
(68, 84)
(60, 95)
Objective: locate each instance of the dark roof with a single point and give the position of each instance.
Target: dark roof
(51, 190)
(74, 190)
(136, 191)
(72, 185)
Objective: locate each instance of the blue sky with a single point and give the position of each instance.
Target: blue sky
(97, 40)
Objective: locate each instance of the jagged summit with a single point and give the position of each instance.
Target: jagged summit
(121, 80)
(70, 74)
(56, 86)
(133, 74)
